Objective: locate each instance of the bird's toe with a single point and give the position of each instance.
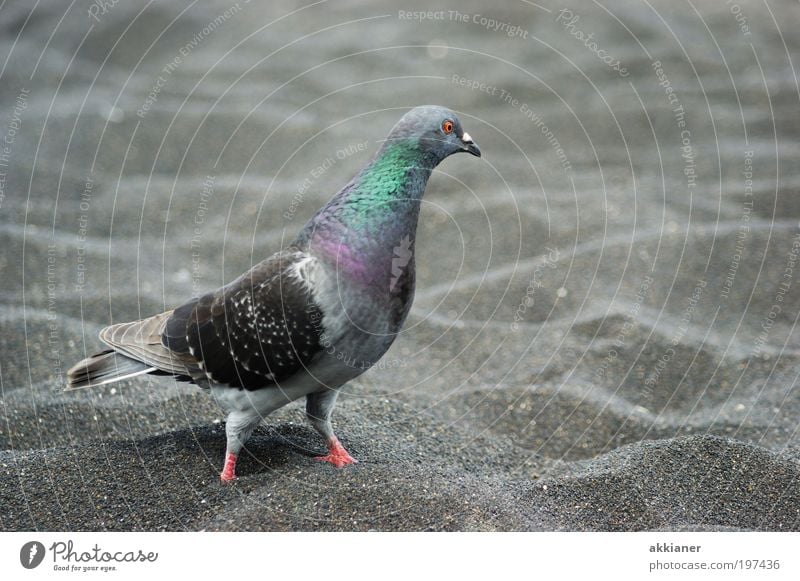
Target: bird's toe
(337, 455)
(338, 460)
(228, 473)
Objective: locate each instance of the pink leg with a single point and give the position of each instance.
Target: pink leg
(229, 471)
(337, 455)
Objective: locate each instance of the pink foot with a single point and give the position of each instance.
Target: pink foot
(337, 455)
(229, 471)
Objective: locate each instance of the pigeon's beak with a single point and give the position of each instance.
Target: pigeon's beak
(470, 146)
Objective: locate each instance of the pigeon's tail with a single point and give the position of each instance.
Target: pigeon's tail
(106, 367)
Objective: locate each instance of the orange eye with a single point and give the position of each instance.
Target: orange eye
(447, 126)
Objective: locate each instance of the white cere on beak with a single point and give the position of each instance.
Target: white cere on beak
(466, 138)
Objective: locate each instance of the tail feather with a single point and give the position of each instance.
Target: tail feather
(103, 368)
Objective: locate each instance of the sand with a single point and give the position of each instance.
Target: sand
(605, 330)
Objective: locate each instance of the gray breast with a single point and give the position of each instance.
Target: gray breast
(359, 325)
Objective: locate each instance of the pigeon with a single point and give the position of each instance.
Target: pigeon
(309, 318)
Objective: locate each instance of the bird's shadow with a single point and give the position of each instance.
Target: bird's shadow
(270, 448)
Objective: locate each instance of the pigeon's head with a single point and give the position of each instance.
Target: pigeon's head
(436, 130)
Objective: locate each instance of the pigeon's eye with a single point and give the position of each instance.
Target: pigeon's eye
(447, 126)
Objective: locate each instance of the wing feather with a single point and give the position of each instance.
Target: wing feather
(255, 332)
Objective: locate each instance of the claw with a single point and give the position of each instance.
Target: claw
(337, 455)
(229, 471)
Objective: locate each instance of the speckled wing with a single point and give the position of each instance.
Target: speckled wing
(255, 332)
